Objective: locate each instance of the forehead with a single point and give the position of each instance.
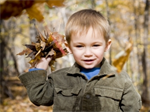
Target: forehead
(93, 33)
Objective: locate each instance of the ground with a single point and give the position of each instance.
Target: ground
(18, 100)
(20, 104)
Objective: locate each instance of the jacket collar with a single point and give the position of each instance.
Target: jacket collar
(75, 69)
(106, 68)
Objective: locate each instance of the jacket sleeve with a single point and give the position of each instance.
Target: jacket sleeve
(131, 100)
(39, 90)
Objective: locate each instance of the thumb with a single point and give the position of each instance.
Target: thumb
(49, 59)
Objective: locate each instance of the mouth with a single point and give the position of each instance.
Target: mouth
(89, 61)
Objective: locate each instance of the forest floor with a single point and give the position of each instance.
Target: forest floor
(18, 100)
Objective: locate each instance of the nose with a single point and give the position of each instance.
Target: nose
(87, 52)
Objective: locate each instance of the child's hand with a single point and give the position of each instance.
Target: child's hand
(43, 63)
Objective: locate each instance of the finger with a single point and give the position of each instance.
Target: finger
(49, 59)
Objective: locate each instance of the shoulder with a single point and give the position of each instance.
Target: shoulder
(59, 73)
(124, 75)
(62, 70)
(124, 78)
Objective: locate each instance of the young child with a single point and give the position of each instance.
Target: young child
(91, 84)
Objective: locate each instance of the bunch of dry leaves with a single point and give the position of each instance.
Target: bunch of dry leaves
(51, 44)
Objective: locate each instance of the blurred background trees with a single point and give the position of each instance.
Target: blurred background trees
(129, 21)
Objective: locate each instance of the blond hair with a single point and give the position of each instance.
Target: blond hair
(84, 19)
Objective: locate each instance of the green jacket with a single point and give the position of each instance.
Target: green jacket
(69, 91)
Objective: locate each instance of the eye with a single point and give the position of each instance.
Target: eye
(96, 45)
(79, 46)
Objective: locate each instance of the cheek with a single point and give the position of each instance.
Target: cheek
(76, 53)
(99, 54)
(99, 51)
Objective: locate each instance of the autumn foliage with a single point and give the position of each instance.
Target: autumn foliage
(123, 56)
(14, 8)
(51, 44)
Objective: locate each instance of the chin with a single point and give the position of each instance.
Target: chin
(88, 67)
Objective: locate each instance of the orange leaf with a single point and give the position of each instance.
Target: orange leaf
(122, 57)
(52, 3)
(50, 39)
(51, 53)
(32, 47)
(38, 52)
(43, 44)
(41, 37)
(26, 51)
(39, 1)
(31, 55)
(37, 46)
(34, 13)
(60, 38)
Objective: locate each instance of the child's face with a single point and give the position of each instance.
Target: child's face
(88, 49)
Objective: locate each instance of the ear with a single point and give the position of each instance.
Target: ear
(69, 50)
(108, 44)
(68, 47)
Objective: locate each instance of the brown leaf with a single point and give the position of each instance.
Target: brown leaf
(34, 13)
(13, 8)
(51, 53)
(52, 3)
(51, 64)
(39, 1)
(50, 39)
(37, 46)
(43, 44)
(59, 54)
(48, 47)
(31, 55)
(53, 45)
(40, 35)
(38, 52)
(25, 52)
(32, 47)
(34, 61)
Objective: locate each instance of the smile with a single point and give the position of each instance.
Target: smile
(89, 61)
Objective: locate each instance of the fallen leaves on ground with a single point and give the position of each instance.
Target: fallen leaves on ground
(20, 104)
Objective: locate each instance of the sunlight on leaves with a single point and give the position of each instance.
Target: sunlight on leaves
(122, 57)
(34, 12)
(52, 3)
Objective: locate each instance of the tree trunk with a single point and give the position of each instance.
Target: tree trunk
(1, 66)
(145, 94)
(93, 4)
(4, 90)
(136, 39)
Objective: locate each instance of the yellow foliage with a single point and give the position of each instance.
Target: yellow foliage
(15, 8)
(52, 3)
(39, 1)
(33, 12)
(123, 57)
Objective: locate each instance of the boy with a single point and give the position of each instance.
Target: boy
(91, 84)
